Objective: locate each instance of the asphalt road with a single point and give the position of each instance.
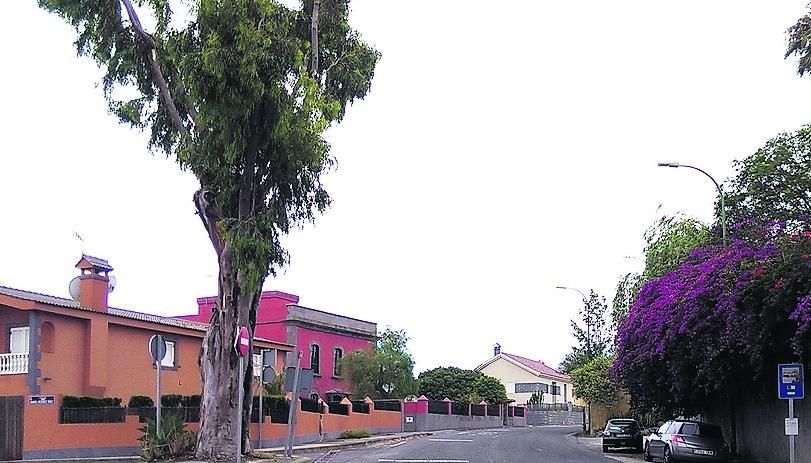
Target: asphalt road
(506, 445)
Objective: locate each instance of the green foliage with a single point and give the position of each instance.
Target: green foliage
(536, 398)
(275, 387)
(141, 401)
(385, 372)
(173, 440)
(241, 109)
(593, 381)
(355, 434)
(90, 402)
(461, 386)
(772, 184)
(593, 337)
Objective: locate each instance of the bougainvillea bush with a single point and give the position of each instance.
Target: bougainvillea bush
(717, 325)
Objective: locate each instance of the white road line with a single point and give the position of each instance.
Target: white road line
(397, 444)
(422, 461)
(451, 440)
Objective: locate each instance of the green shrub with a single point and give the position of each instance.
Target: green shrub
(90, 402)
(355, 434)
(171, 400)
(173, 440)
(141, 401)
(190, 400)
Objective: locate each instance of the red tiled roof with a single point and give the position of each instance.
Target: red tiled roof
(537, 365)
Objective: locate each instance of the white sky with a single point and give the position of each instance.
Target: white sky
(505, 148)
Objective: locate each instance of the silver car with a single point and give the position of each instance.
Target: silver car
(689, 441)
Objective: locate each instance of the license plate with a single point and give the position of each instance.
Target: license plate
(703, 452)
(623, 435)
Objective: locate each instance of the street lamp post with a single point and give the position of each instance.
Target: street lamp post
(720, 193)
(588, 322)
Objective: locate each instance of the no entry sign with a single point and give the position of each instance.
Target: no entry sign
(243, 342)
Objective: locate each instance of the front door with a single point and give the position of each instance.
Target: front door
(11, 428)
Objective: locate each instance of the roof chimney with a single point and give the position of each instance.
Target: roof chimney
(94, 283)
(496, 349)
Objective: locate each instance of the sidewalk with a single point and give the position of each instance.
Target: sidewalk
(595, 444)
(347, 443)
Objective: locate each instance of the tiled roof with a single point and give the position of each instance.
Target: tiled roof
(132, 315)
(536, 365)
(98, 262)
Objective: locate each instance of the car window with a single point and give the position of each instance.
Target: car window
(663, 428)
(710, 430)
(674, 428)
(689, 429)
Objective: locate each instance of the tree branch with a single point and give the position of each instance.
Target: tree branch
(210, 214)
(155, 69)
(314, 39)
(248, 178)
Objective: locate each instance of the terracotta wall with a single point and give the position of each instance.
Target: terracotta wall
(65, 366)
(327, 343)
(13, 385)
(132, 371)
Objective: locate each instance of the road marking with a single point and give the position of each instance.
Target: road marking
(422, 461)
(451, 440)
(397, 444)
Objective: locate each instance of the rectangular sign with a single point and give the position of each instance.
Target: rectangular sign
(790, 381)
(409, 419)
(305, 381)
(41, 400)
(792, 426)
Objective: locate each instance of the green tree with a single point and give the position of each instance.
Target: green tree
(593, 381)
(593, 337)
(536, 398)
(385, 372)
(668, 243)
(461, 385)
(240, 94)
(772, 184)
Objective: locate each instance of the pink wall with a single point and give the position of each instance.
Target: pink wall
(327, 343)
(272, 307)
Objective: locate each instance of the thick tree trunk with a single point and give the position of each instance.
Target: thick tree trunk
(219, 363)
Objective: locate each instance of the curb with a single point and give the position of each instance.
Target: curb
(348, 443)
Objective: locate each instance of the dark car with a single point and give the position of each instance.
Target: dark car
(689, 441)
(622, 432)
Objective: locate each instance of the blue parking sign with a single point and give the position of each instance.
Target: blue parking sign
(790, 381)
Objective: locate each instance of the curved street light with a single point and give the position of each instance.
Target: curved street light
(720, 193)
(588, 323)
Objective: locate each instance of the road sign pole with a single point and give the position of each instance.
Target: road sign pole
(261, 394)
(291, 416)
(158, 392)
(791, 438)
(239, 407)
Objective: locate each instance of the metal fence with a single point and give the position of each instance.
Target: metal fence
(92, 415)
(187, 414)
(388, 405)
(310, 405)
(337, 408)
(437, 407)
(460, 408)
(493, 410)
(359, 406)
(477, 410)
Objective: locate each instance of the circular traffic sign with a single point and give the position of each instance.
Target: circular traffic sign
(243, 341)
(157, 347)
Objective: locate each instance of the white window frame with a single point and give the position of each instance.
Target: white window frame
(11, 345)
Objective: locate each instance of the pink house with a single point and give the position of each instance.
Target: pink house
(323, 337)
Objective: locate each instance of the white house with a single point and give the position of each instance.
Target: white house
(522, 376)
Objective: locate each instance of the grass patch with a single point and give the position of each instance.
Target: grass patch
(355, 434)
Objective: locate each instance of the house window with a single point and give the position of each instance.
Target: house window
(169, 359)
(555, 389)
(18, 340)
(565, 393)
(315, 359)
(527, 388)
(337, 369)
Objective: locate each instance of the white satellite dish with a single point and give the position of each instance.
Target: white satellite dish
(111, 285)
(75, 288)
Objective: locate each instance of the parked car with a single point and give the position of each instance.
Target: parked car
(689, 441)
(622, 432)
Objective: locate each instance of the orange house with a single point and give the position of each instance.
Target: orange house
(56, 346)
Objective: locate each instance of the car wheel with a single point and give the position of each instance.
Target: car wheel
(668, 456)
(646, 454)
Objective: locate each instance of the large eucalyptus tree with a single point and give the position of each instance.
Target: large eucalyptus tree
(240, 93)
